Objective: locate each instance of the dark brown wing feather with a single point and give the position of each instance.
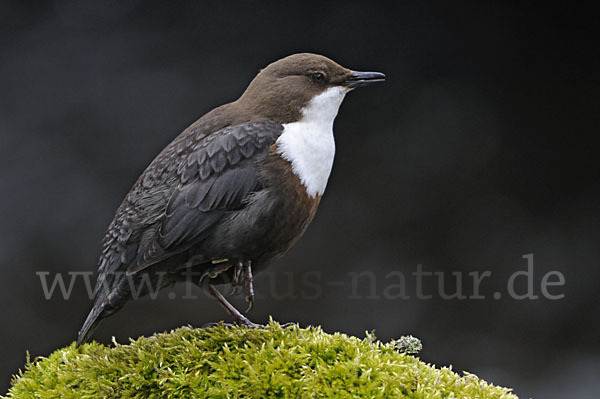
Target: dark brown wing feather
(214, 177)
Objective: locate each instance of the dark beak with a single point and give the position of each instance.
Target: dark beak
(358, 79)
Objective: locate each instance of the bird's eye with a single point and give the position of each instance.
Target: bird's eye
(318, 76)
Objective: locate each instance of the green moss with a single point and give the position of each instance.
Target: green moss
(238, 362)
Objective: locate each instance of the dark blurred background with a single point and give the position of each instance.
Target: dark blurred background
(480, 148)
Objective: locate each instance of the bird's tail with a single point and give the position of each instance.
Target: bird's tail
(91, 322)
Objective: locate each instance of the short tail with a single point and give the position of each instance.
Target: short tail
(90, 324)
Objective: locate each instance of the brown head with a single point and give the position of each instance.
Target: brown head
(281, 90)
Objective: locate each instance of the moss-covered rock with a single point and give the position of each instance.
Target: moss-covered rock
(237, 362)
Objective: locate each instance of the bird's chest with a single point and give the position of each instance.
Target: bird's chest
(293, 175)
(309, 147)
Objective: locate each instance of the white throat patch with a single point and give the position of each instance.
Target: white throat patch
(308, 144)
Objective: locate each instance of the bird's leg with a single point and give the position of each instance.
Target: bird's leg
(238, 318)
(249, 285)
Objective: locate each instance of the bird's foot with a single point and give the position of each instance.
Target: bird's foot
(243, 279)
(244, 321)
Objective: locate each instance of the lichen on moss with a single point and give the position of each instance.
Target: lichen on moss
(238, 362)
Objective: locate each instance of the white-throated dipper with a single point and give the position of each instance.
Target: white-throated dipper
(232, 193)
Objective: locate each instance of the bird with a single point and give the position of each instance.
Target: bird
(232, 193)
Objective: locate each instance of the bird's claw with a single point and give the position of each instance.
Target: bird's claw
(235, 290)
(250, 301)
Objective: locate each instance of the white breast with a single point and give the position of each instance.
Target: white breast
(308, 144)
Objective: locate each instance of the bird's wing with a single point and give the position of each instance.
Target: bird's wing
(179, 204)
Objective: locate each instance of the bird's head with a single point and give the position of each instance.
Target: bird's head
(286, 88)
